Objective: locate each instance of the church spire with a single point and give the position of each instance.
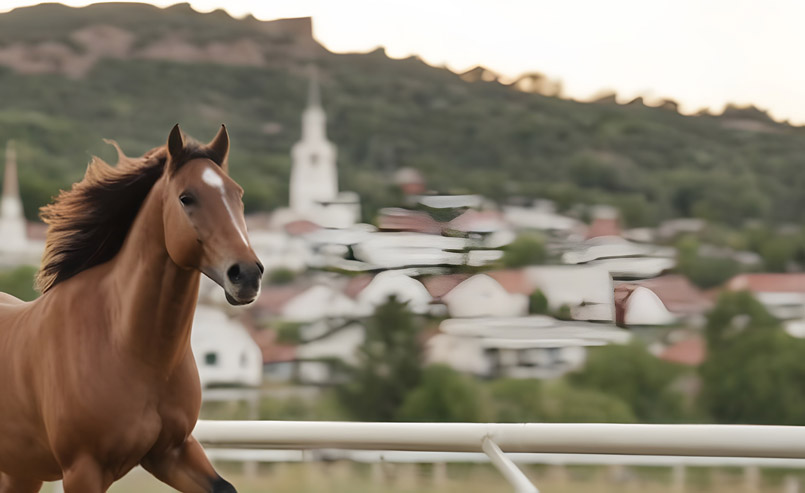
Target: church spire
(313, 93)
(11, 188)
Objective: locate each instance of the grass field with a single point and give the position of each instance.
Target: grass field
(343, 477)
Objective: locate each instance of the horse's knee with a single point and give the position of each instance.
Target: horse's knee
(221, 485)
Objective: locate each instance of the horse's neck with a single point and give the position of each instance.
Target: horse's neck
(156, 297)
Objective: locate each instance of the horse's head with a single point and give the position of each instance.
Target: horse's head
(203, 217)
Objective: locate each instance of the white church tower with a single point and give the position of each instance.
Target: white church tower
(13, 236)
(314, 177)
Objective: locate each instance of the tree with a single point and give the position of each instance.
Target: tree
(632, 374)
(735, 312)
(281, 275)
(526, 249)
(538, 303)
(759, 378)
(524, 401)
(444, 396)
(389, 365)
(703, 271)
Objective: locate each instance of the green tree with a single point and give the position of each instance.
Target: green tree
(736, 312)
(538, 303)
(444, 395)
(524, 400)
(526, 249)
(389, 365)
(704, 271)
(759, 378)
(281, 275)
(632, 374)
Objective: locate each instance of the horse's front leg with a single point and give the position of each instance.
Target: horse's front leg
(187, 469)
(10, 484)
(85, 475)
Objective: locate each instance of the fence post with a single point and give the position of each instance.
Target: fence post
(678, 478)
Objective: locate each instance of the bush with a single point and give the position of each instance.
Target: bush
(631, 374)
(443, 396)
(523, 401)
(527, 249)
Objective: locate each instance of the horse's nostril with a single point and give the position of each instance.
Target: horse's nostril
(234, 273)
(260, 266)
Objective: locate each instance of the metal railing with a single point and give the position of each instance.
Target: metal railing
(497, 440)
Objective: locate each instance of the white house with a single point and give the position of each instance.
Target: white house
(586, 290)
(393, 283)
(637, 305)
(783, 295)
(317, 302)
(518, 347)
(396, 250)
(315, 357)
(277, 249)
(483, 296)
(623, 258)
(224, 351)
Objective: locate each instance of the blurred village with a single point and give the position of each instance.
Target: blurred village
(496, 290)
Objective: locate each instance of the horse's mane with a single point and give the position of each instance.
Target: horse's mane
(88, 223)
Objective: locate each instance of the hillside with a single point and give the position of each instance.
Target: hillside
(70, 77)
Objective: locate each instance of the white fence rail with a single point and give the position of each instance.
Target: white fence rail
(771, 444)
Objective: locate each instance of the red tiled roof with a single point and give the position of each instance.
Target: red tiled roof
(678, 294)
(439, 286)
(300, 227)
(604, 227)
(514, 281)
(768, 283)
(477, 221)
(406, 220)
(357, 284)
(691, 352)
(274, 298)
(272, 351)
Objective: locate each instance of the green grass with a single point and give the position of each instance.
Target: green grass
(345, 477)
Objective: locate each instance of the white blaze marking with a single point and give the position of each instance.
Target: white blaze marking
(211, 178)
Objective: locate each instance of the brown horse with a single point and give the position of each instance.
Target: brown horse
(96, 375)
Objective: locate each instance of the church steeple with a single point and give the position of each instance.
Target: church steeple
(10, 184)
(12, 221)
(314, 120)
(313, 93)
(11, 206)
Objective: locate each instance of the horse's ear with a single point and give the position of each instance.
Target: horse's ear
(219, 148)
(175, 145)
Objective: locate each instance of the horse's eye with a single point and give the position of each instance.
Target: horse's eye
(187, 199)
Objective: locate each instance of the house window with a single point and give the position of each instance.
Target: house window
(314, 159)
(244, 360)
(211, 359)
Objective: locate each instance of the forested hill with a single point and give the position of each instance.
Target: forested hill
(70, 77)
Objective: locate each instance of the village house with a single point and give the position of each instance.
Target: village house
(518, 347)
(224, 350)
(483, 296)
(783, 295)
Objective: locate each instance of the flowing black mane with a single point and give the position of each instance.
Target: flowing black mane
(88, 224)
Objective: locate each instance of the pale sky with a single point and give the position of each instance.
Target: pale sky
(701, 53)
